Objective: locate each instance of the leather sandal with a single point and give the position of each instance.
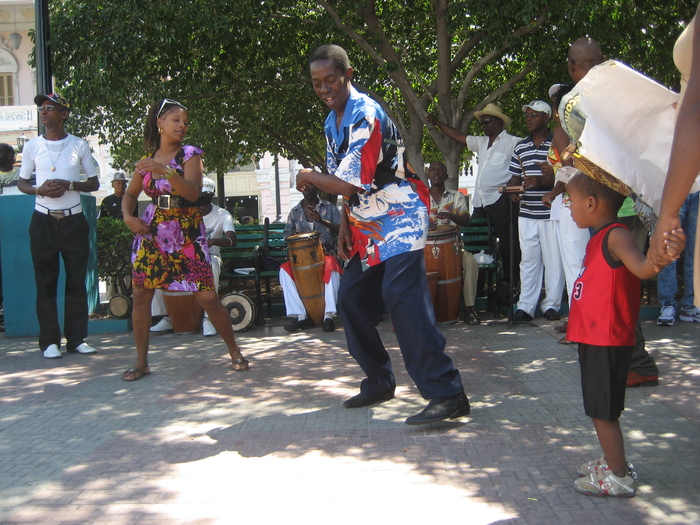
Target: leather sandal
(242, 363)
(135, 374)
(471, 318)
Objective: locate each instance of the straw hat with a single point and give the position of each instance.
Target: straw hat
(494, 111)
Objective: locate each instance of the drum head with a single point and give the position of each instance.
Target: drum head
(241, 310)
(302, 236)
(119, 306)
(442, 231)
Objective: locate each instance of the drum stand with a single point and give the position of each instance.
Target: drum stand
(517, 190)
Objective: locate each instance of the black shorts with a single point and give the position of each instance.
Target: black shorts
(604, 372)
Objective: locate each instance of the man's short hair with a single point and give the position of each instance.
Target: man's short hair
(332, 52)
(592, 188)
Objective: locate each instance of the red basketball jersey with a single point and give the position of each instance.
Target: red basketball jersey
(606, 297)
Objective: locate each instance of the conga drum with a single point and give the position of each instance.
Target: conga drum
(184, 312)
(442, 255)
(307, 259)
(433, 278)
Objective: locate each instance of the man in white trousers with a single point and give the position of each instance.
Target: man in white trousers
(537, 231)
(312, 214)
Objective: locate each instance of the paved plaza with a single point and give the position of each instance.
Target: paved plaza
(197, 443)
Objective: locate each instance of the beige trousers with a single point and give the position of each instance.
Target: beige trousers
(470, 274)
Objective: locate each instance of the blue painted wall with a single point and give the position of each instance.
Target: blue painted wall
(18, 287)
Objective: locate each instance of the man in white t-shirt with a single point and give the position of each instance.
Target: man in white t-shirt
(221, 233)
(58, 226)
(494, 150)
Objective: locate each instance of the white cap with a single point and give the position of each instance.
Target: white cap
(554, 88)
(208, 186)
(538, 105)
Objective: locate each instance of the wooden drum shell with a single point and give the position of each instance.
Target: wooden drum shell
(184, 312)
(307, 260)
(443, 255)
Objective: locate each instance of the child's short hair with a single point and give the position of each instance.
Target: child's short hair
(592, 188)
(335, 54)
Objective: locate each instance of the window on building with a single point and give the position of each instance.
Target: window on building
(243, 206)
(7, 97)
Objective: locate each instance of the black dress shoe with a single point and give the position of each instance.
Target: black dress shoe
(521, 315)
(552, 315)
(297, 325)
(442, 408)
(328, 325)
(362, 400)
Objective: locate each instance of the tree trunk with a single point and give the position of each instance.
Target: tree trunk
(451, 158)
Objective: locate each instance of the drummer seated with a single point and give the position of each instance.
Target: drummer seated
(312, 214)
(449, 207)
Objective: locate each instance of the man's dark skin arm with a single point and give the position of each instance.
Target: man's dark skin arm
(335, 186)
(325, 182)
(227, 241)
(459, 220)
(451, 132)
(312, 214)
(55, 188)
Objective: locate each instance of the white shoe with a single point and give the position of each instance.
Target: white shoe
(83, 348)
(52, 352)
(604, 483)
(667, 317)
(590, 468)
(164, 325)
(690, 315)
(207, 328)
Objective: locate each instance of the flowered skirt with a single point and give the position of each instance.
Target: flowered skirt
(175, 255)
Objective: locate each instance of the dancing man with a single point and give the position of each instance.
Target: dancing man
(382, 234)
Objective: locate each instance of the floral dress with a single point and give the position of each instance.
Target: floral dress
(175, 255)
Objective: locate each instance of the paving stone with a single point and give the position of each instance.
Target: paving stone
(196, 442)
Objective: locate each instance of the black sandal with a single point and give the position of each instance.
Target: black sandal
(137, 374)
(471, 318)
(242, 362)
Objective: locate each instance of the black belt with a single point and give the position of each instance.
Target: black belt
(166, 202)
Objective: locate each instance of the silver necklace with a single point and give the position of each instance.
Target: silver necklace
(53, 164)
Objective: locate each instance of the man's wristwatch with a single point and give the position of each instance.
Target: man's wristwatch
(70, 186)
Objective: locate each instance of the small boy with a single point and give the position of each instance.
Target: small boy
(604, 310)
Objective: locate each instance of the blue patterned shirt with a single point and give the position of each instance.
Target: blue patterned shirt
(387, 216)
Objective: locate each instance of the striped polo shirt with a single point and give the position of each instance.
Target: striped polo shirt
(526, 160)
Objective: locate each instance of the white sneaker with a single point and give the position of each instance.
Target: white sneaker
(605, 483)
(83, 348)
(690, 314)
(164, 325)
(667, 317)
(207, 328)
(592, 467)
(52, 352)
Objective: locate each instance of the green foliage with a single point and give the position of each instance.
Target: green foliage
(229, 62)
(114, 240)
(240, 65)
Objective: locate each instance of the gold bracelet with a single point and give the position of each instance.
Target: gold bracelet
(169, 172)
